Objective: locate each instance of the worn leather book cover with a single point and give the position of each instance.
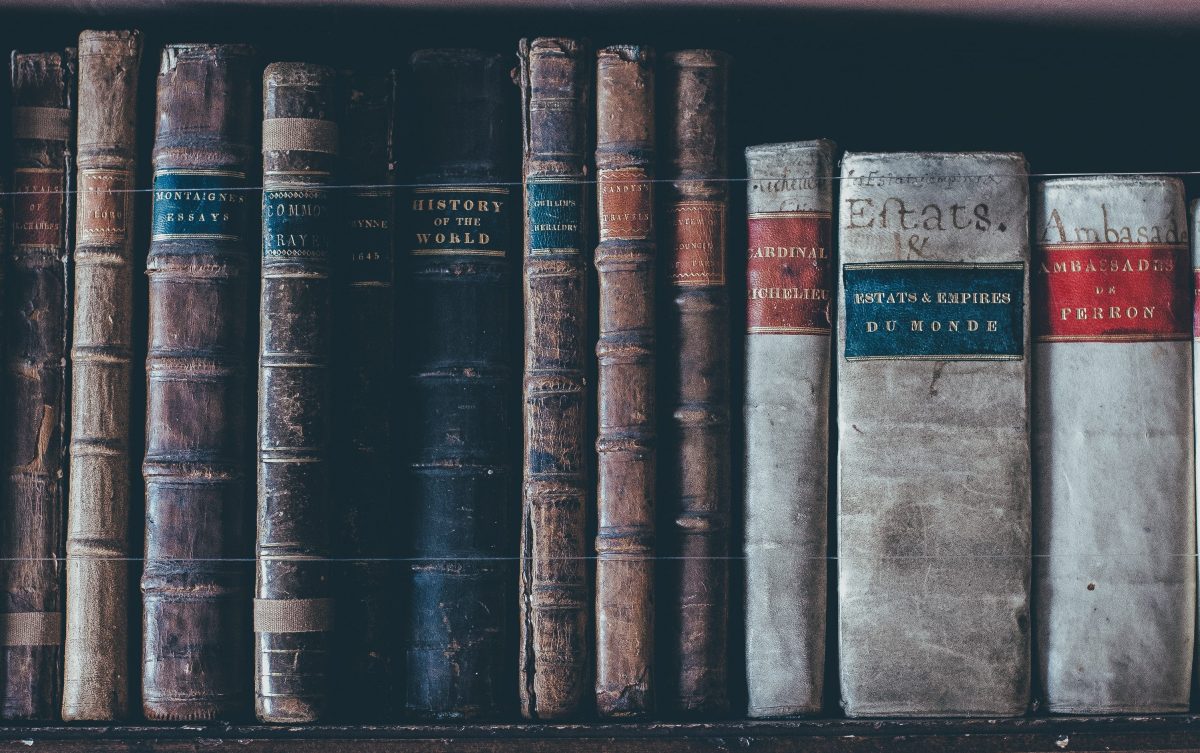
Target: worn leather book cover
(1114, 468)
(694, 480)
(195, 582)
(789, 198)
(96, 656)
(293, 605)
(625, 261)
(933, 435)
(461, 494)
(368, 508)
(556, 84)
(37, 333)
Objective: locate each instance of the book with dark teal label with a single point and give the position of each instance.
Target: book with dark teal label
(554, 207)
(199, 204)
(934, 311)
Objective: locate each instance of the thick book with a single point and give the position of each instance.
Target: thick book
(293, 605)
(365, 383)
(96, 656)
(1113, 449)
(694, 472)
(197, 466)
(556, 84)
(933, 435)
(789, 202)
(461, 496)
(37, 333)
(626, 444)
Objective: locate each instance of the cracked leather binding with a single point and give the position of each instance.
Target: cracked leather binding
(293, 608)
(96, 657)
(460, 586)
(365, 383)
(195, 585)
(694, 503)
(933, 435)
(556, 85)
(37, 332)
(626, 386)
(789, 198)
(1114, 470)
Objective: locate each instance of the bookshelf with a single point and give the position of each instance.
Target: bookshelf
(1112, 734)
(1077, 86)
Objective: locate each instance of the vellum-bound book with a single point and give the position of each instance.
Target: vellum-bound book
(933, 433)
(789, 197)
(1114, 471)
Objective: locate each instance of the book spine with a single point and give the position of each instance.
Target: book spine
(555, 84)
(96, 684)
(933, 435)
(1194, 242)
(196, 602)
(459, 218)
(626, 384)
(37, 325)
(789, 198)
(695, 479)
(1112, 432)
(365, 375)
(293, 608)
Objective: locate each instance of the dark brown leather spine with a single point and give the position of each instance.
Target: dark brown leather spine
(626, 444)
(37, 325)
(293, 611)
(366, 574)
(556, 82)
(196, 627)
(96, 657)
(695, 498)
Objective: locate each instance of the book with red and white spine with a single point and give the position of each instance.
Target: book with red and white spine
(1112, 436)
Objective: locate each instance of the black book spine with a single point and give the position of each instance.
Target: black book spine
(365, 379)
(460, 257)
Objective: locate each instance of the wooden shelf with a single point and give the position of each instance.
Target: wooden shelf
(1108, 733)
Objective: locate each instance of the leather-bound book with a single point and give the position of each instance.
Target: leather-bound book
(96, 656)
(694, 504)
(789, 198)
(37, 333)
(933, 435)
(195, 584)
(365, 574)
(460, 497)
(556, 84)
(626, 386)
(293, 608)
(1114, 468)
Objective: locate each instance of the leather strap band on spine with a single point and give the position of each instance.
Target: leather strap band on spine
(293, 615)
(302, 134)
(47, 123)
(32, 628)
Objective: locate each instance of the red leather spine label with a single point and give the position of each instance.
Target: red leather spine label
(626, 205)
(1196, 303)
(698, 243)
(788, 273)
(38, 207)
(1112, 292)
(103, 206)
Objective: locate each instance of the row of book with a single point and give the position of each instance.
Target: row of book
(1013, 429)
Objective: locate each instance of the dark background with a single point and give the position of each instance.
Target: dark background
(1074, 97)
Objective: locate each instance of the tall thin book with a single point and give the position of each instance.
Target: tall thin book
(37, 336)
(556, 85)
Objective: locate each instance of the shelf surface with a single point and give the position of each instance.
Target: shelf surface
(1107, 733)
